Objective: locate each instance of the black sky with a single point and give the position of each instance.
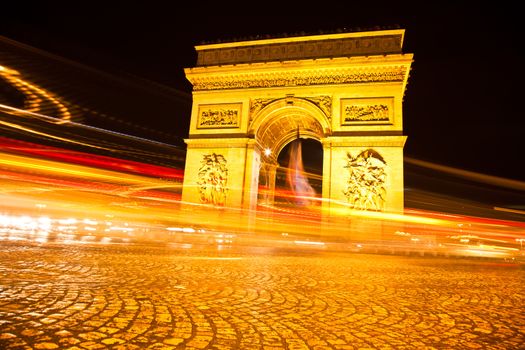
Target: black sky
(464, 102)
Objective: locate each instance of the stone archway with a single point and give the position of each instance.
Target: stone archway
(279, 122)
(251, 98)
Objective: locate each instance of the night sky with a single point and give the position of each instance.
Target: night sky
(464, 102)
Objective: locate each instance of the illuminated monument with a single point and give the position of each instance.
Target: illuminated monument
(252, 98)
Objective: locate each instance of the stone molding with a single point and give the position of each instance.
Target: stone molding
(218, 142)
(364, 141)
(299, 78)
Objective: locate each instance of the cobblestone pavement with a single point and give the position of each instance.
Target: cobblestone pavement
(160, 297)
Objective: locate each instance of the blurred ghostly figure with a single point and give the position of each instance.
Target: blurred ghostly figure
(296, 178)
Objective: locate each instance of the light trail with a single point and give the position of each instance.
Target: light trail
(469, 175)
(38, 127)
(55, 188)
(92, 160)
(114, 200)
(36, 96)
(39, 133)
(510, 210)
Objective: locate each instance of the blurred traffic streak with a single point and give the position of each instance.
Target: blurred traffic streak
(469, 175)
(38, 99)
(92, 160)
(21, 125)
(69, 183)
(53, 195)
(51, 172)
(76, 216)
(48, 200)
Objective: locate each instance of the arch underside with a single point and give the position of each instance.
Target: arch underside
(280, 131)
(286, 120)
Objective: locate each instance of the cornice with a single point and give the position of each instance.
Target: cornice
(302, 38)
(205, 142)
(335, 62)
(364, 141)
(308, 77)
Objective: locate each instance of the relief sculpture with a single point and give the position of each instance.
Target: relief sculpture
(213, 179)
(359, 113)
(259, 103)
(323, 102)
(221, 117)
(366, 187)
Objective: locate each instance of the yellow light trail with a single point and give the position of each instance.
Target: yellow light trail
(74, 170)
(32, 131)
(488, 179)
(34, 94)
(75, 191)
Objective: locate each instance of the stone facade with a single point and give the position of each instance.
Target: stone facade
(350, 101)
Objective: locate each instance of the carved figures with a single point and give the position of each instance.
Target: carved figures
(219, 117)
(365, 188)
(213, 179)
(377, 112)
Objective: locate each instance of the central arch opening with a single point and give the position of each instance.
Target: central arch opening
(288, 133)
(299, 175)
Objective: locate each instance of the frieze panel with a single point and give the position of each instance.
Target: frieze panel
(219, 116)
(367, 111)
(243, 81)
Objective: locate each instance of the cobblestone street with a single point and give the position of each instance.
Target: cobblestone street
(59, 296)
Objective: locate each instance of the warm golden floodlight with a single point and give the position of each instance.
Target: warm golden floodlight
(253, 98)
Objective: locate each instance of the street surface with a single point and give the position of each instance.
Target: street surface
(168, 296)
